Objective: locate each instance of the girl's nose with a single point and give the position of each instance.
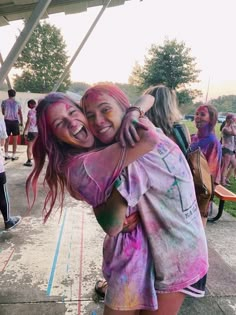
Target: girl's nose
(99, 120)
(72, 123)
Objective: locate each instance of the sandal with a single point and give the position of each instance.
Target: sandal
(100, 288)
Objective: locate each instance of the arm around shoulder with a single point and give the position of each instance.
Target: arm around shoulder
(111, 214)
(148, 140)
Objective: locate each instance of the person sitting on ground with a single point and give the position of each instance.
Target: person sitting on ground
(9, 221)
(12, 112)
(31, 131)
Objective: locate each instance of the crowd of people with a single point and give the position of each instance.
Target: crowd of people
(125, 162)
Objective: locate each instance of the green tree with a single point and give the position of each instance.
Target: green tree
(42, 61)
(78, 87)
(170, 64)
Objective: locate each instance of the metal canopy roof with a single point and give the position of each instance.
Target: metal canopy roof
(12, 10)
(34, 10)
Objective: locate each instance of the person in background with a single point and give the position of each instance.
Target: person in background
(205, 120)
(31, 131)
(9, 221)
(12, 112)
(165, 113)
(228, 148)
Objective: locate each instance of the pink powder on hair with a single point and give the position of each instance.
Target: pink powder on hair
(202, 108)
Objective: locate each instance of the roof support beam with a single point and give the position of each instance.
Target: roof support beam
(57, 85)
(7, 78)
(22, 40)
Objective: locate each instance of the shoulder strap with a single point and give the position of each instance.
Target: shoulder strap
(180, 138)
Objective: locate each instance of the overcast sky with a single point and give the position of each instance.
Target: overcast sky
(125, 33)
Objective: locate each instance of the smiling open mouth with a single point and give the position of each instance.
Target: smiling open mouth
(103, 130)
(80, 133)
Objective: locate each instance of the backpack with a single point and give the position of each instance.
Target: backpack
(199, 167)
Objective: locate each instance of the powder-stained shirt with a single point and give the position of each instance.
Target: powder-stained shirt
(11, 108)
(211, 148)
(160, 184)
(127, 260)
(32, 120)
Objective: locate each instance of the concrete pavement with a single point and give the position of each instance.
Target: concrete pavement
(51, 268)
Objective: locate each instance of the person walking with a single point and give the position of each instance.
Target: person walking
(31, 130)
(9, 221)
(13, 117)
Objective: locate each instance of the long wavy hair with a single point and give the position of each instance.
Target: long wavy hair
(110, 89)
(165, 112)
(48, 147)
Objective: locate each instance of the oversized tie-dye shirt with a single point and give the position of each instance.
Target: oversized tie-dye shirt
(127, 260)
(211, 148)
(160, 184)
(167, 251)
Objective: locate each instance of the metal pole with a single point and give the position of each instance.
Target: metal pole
(22, 40)
(57, 85)
(207, 90)
(7, 78)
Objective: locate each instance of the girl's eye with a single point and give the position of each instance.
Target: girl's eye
(90, 116)
(73, 111)
(106, 109)
(58, 124)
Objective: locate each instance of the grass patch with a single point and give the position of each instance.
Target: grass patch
(230, 206)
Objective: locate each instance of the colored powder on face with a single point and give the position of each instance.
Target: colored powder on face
(92, 97)
(202, 108)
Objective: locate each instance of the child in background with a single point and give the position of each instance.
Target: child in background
(10, 221)
(30, 131)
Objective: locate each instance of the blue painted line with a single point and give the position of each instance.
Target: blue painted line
(68, 261)
(53, 269)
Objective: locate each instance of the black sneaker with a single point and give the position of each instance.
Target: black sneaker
(7, 158)
(28, 163)
(12, 222)
(14, 158)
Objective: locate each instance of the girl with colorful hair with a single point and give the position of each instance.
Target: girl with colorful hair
(145, 184)
(157, 190)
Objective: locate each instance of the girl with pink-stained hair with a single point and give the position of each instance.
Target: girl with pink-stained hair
(149, 182)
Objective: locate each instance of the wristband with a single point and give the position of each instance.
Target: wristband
(138, 108)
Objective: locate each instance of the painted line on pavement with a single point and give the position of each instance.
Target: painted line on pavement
(68, 260)
(7, 260)
(53, 269)
(81, 262)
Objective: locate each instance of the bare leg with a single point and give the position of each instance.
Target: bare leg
(109, 311)
(168, 304)
(29, 150)
(6, 146)
(230, 172)
(225, 164)
(14, 146)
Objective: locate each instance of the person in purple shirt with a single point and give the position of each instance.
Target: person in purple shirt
(205, 120)
(13, 117)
